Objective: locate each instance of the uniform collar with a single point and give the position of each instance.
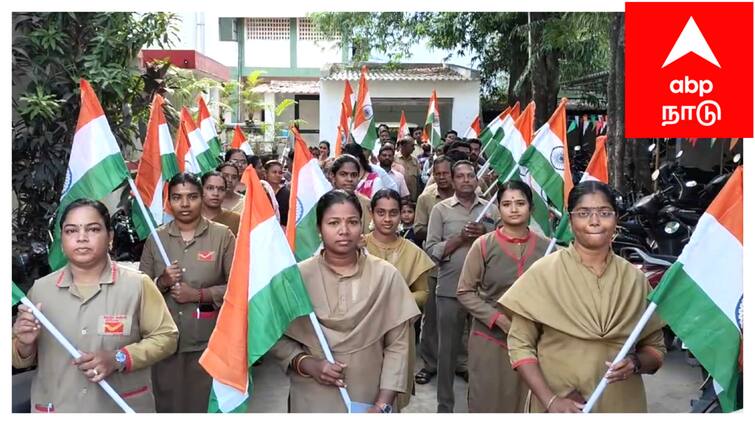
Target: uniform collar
(455, 201)
(202, 226)
(108, 276)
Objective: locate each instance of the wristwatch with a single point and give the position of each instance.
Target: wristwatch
(120, 359)
(384, 408)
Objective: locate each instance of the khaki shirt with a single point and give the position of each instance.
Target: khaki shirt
(230, 219)
(366, 212)
(125, 311)
(411, 174)
(206, 263)
(447, 219)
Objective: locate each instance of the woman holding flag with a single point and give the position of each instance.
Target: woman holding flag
(114, 315)
(572, 311)
(493, 263)
(193, 287)
(366, 312)
(411, 261)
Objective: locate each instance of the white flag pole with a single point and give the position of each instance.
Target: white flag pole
(619, 357)
(146, 215)
(329, 357)
(74, 352)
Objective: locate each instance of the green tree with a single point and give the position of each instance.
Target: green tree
(520, 57)
(50, 53)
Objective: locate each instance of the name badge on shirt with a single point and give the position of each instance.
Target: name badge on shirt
(206, 256)
(114, 325)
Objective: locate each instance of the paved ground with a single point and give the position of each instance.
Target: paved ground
(668, 391)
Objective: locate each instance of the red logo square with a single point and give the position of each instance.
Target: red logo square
(689, 70)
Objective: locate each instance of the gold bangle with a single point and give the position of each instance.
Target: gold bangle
(550, 402)
(297, 365)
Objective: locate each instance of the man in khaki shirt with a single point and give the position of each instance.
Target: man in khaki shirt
(411, 166)
(428, 337)
(125, 312)
(451, 231)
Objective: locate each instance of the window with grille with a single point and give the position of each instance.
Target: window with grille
(268, 28)
(307, 30)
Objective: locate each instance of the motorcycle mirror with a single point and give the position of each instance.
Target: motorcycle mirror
(651, 148)
(679, 154)
(690, 183)
(671, 227)
(736, 158)
(577, 148)
(655, 174)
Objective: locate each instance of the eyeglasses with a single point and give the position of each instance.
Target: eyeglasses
(585, 213)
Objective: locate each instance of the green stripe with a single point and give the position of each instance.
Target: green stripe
(272, 310)
(368, 142)
(545, 175)
(564, 233)
(214, 145)
(213, 407)
(540, 215)
(18, 294)
(98, 182)
(169, 164)
(207, 161)
(140, 222)
(307, 237)
(704, 328)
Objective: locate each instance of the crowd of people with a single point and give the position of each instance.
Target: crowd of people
(414, 264)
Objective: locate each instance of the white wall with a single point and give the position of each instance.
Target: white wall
(465, 94)
(200, 31)
(313, 54)
(267, 53)
(225, 52)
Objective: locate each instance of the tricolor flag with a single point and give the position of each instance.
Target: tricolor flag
(239, 141)
(488, 133)
(701, 297)
(431, 132)
(184, 155)
(265, 293)
(344, 122)
(308, 184)
(515, 110)
(403, 129)
(474, 129)
(205, 159)
(364, 131)
(207, 128)
(347, 109)
(95, 166)
(157, 166)
(597, 169)
(339, 142)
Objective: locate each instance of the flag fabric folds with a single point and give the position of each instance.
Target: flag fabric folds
(265, 294)
(95, 167)
(702, 302)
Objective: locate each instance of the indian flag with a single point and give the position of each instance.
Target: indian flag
(403, 128)
(206, 160)
(431, 132)
(597, 169)
(308, 184)
(239, 141)
(95, 166)
(157, 166)
(517, 134)
(186, 161)
(347, 109)
(364, 131)
(207, 128)
(474, 129)
(702, 300)
(486, 136)
(547, 158)
(265, 293)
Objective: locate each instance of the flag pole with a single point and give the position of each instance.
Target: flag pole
(484, 168)
(74, 352)
(619, 357)
(147, 216)
(329, 357)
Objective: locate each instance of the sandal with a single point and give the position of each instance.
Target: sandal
(423, 376)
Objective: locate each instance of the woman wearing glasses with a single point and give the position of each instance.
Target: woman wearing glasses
(572, 312)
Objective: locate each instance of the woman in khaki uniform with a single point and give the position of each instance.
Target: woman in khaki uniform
(345, 173)
(572, 312)
(493, 263)
(412, 262)
(114, 315)
(201, 252)
(214, 187)
(366, 312)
